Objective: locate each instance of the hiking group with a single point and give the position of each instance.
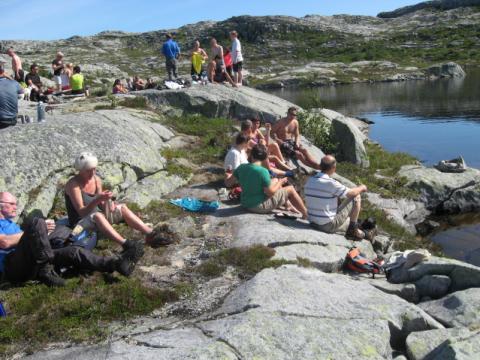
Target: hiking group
(259, 168)
(259, 171)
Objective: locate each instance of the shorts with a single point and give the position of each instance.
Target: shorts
(115, 217)
(57, 79)
(340, 221)
(20, 77)
(238, 66)
(278, 199)
(288, 149)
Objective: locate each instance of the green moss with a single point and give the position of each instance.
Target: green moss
(176, 169)
(78, 312)
(171, 154)
(138, 102)
(247, 261)
(381, 177)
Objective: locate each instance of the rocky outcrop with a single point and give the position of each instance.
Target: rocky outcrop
(37, 158)
(460, 309)
(444, 344)
(347, 134)
(435, 4)
(404, 212)
(462, 275)
(221, 101)
(283, 313)
(447, 70)
(445, 192)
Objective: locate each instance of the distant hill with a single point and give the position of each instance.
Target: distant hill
(435, 4)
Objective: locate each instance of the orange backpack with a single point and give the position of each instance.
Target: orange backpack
(358, 262)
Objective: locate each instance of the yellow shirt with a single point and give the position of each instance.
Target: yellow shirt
(76, 82)
(197, 61)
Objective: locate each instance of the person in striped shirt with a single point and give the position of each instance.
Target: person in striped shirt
(330, 204)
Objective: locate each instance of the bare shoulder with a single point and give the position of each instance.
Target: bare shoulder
(71, 184)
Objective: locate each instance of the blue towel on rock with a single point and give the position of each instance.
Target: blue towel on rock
(196, 205)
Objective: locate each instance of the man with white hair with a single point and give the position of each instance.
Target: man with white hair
(9, 91)
(27, 255)
(57, 67)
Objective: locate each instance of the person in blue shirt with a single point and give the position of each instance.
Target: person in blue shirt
(171, 51)
(27, 255)
(9, 91)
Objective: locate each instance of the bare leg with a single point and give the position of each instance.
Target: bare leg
(279, 163)
(134, 221)
(274, 149)
(305, 157)
(357, 206)
(239, 77)
(230, 79)
(106, 229)
(296, 201)
(211, 72)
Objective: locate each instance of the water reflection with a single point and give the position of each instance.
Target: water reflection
(433, 120)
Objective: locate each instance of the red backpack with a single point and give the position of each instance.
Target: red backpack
(358, 262)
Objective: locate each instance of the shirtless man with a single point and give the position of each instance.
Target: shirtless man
(18, 73)
(286, 133)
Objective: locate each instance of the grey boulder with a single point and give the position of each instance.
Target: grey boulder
(350, 142)
(461, 308)
(447, 70)
(445, 192)
(35, 157)
(221, 101)
(433, 286)
(447, 344)
(461, 274)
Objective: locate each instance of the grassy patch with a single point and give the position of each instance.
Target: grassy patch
(403, 239)
(78, 312)
(214, 134)
(180, 170)
(157, 211)
(381, 177)
(171, 154)
(137, 102)
(247, 261)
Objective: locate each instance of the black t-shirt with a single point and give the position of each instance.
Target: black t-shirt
(34, 78)
(57, 72)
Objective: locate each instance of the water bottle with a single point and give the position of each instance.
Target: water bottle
(3, 313)
(40, 112)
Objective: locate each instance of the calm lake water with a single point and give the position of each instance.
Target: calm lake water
(432, 120)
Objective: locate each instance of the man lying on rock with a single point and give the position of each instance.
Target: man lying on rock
(322, 196)
(27, 255)
(92, 208)
(260, 194)
(286, 133)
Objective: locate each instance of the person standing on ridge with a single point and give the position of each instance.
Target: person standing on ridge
(57, 68)
(171, 51)
(18, 73)
(237, 58)
(9, 91)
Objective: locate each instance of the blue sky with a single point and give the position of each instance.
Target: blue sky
(36, 19)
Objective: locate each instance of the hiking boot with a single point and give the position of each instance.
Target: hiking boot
(124, 265)
(355, 233)
(47, 275)
(133, 250)
(370, 234)
(161, 236)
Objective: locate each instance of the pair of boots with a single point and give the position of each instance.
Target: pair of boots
(358, 232)
(124, 264)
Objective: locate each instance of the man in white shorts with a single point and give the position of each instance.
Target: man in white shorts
(57, 67)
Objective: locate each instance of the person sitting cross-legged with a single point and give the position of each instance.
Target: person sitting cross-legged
(92, 207)
(27, 255)
(260, 194)
(322, 196)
